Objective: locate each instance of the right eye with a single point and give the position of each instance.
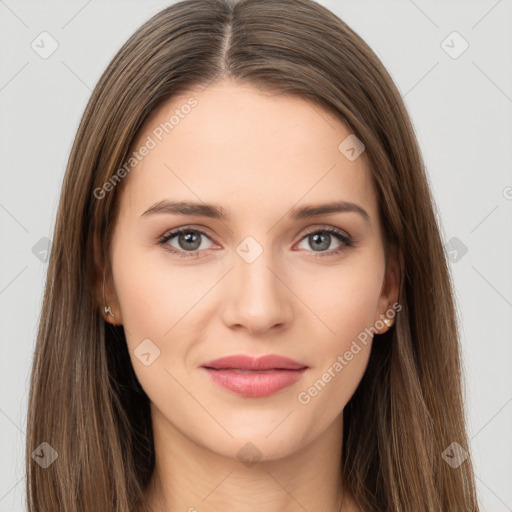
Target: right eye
(189, 241)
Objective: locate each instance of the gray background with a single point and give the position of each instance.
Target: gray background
(462, 112)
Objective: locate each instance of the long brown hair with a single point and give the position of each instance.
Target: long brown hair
(85, 400)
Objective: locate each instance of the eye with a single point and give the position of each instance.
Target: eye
(321, 239)
(189, 241)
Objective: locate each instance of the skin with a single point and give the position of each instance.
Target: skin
(258, 155)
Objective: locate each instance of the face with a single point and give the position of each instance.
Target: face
(254, 272)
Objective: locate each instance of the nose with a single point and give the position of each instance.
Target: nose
(258, 298)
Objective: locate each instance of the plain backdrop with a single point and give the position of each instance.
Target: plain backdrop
(460, 101)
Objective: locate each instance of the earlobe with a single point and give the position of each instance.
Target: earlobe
(390, 292)
(110, 306)
(388, 321)
(107, 309)
(109, 316)
(105, 294)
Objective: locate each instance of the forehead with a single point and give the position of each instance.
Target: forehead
(246, 149)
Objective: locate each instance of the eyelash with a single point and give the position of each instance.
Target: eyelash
(347, 242)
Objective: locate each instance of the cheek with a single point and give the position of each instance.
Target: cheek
(164, 304)
(153, 295)
(154, 312)
(346, 303)
(343, 300)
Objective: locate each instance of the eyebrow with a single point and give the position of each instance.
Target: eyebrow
(217, 212)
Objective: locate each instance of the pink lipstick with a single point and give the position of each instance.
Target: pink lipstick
(254, 376)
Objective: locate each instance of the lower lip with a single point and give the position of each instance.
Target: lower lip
(255, 384)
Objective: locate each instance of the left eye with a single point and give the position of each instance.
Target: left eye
(321, 240)
(190, 241)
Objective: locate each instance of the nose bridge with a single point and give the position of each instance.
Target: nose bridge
(258, 299)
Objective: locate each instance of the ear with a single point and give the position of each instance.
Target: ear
(104, 287)
(388, 300)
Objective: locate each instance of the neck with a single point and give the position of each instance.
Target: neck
(190, 477)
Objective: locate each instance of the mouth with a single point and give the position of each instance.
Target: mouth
(254, 377)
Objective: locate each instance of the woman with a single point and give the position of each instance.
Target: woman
(248, 306)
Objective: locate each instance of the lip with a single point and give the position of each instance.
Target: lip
(254, 376)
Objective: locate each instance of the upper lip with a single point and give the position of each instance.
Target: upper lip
(245, 362)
